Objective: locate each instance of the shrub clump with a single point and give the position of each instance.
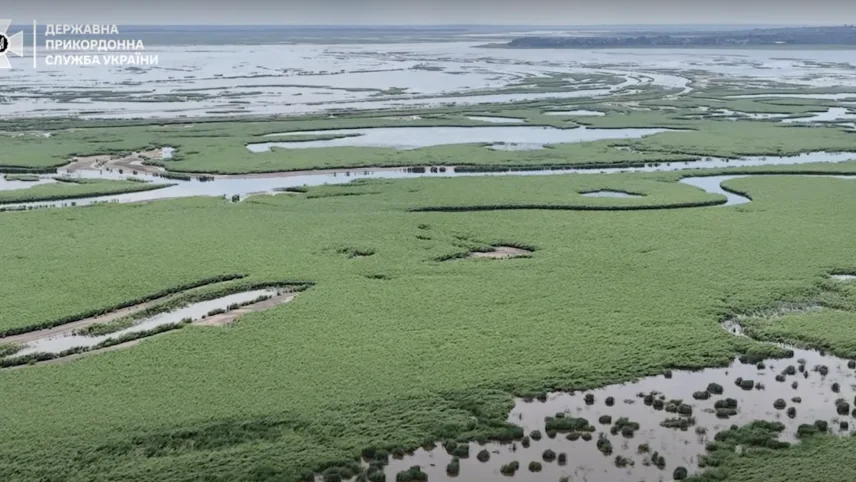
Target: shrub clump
(548, 455)
(376, 475)
(534, 466)
(779, 404)
(412, 474)
(682, 423)
(483, 455)
(806, 430)
(622, 462)
(450, 446)
(454, 467)
(658, 460)
(605, 419)
(535, 435)
(758, 434)
(701, 395)
(715, 388)
(625, 426)
(680, 473)
(563, 458)
(725, 403)
(568, 424)
(610, 401)
(604, 445)
(842, 407)
(510, 468)
(461, 451)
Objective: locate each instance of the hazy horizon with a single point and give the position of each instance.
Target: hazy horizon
(435, 13)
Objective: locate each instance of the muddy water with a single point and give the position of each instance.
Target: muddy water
(833, 114)
(404, 138)
(244, 185)
(15, 185)
(579, 113)
(497, 120)
(679, 447)
(195, 311)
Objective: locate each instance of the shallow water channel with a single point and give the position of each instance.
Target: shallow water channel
(578, 113)
(680, 447)
(194, 311)
(497, 119)
(245, 185)
(404, 138)
(833, 114)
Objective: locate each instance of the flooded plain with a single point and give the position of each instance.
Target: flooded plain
(673, 416)
(415, 137)
(366, 73)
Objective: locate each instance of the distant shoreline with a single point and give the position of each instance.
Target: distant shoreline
(676, 47)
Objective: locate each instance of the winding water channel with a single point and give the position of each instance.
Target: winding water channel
(242, 186)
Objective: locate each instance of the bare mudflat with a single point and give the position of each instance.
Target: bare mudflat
(133, 162)
(502, 252)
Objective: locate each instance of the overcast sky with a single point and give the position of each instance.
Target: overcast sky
(378, 12)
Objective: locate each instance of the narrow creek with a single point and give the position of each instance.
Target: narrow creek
(803, 389)
(219, 311)
(241, 186)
